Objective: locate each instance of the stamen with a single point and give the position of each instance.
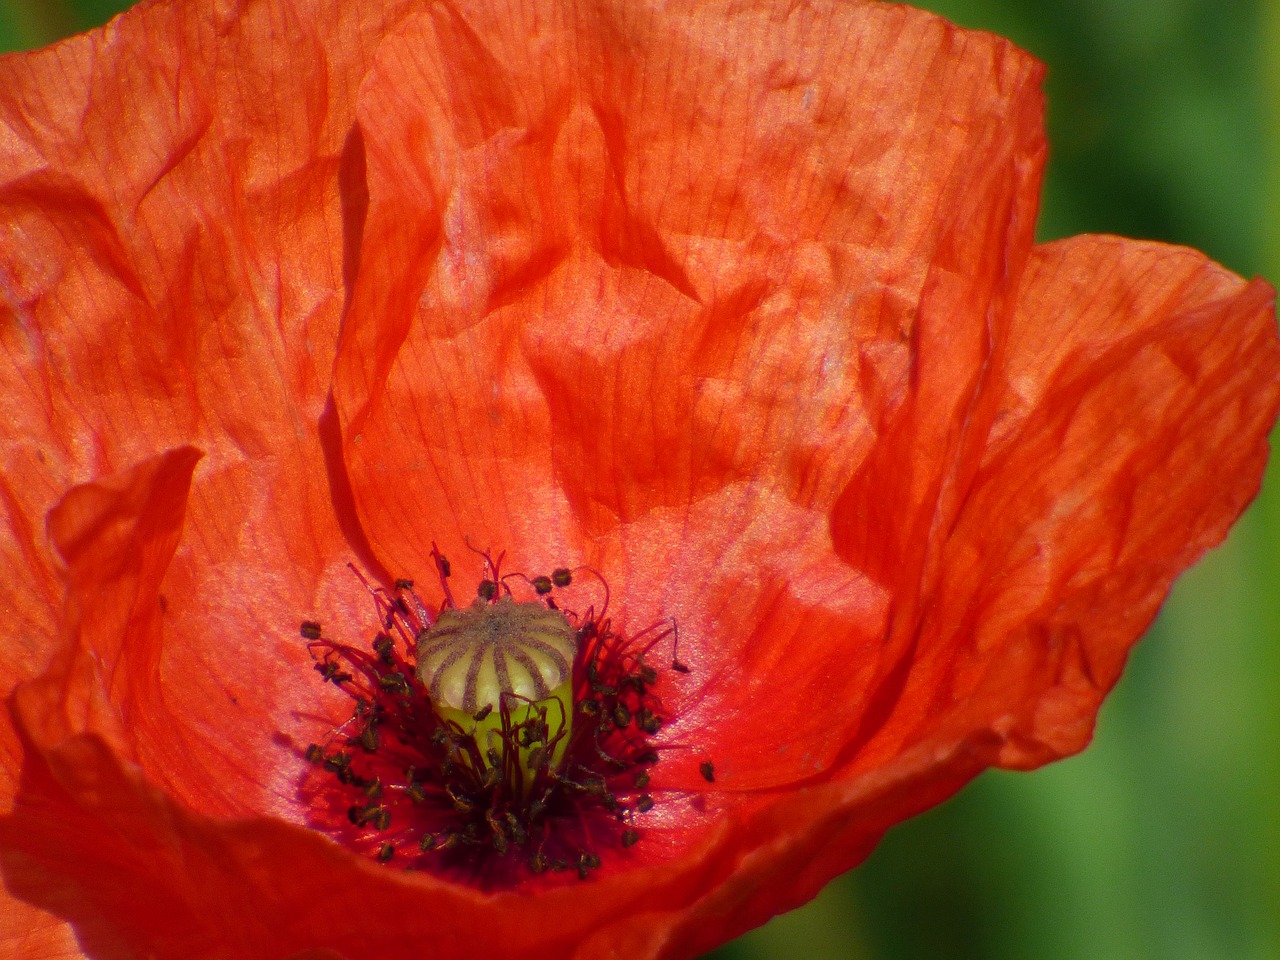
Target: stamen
(501, 741)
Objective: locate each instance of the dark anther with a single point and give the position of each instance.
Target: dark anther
(310, 630)
(314, 753)
(642, 779)
(621, 715)
(483, 712)
(708, 771)
(593, 676)
(415, 793)
(383, 647)
(333, 673)
(629, 838)
(461, 804)
(444, 566)
(373, 789)
(516, 829)
(394, 681)
(644, 803)
(538, 862)
(486, 590)
(385, 852)
(542, 585)
(369, 737)
(337, 762)
(561, 577)
(537, 758)
(648, 721)
(404, 584)
(499, 839)
(370, 812)
(679, 667)
(648, 675)
(428, 842)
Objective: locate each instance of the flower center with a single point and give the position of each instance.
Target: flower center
(492, 742)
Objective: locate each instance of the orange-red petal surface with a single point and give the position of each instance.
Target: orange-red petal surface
(173, 196)
(1120, 432)
(172, 273)
(735, 302)
(634, 299)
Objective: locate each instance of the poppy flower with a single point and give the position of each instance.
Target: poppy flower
(716, 331)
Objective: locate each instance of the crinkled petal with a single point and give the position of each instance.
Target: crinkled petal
(88, 831)
(742, 310)
(176, 194)
(630, 298)
(1121, 432)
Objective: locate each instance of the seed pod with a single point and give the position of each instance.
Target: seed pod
(470, 658)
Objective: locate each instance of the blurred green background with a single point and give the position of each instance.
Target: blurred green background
(1162, 841)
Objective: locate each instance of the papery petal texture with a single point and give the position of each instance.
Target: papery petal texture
(737, 304)
(572, 392)
(173, 274)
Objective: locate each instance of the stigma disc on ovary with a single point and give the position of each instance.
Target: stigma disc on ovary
(470, 658)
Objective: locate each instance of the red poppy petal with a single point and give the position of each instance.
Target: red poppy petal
(26, 931)
(623, 268)
(607, 323)
(177, 190)
(34, 934)
(87, 833)
(157, 270)
(1127, 432)
(578, 312)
